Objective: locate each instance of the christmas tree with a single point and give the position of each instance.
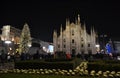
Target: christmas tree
(25, 39)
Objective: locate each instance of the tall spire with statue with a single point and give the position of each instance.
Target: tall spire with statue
(78, 19)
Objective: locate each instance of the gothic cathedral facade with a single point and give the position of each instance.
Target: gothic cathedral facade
(74, 39)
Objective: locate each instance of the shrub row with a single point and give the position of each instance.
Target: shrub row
(66, 65)
(112, 62)
(43, 65)
(57, 60)
(103, 66)
(106, 61)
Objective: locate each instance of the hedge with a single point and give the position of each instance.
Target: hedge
(66, 65)
(104, 65)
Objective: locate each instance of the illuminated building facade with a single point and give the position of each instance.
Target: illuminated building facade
(11, 38)
(10, 33)
(75, 39)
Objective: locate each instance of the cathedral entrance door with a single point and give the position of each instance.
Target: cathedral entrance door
(73, 52)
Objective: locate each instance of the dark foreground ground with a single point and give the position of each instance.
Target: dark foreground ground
(11, 75)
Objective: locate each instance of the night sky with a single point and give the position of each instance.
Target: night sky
(45, 16)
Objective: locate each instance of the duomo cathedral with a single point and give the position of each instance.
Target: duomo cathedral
(75, 39)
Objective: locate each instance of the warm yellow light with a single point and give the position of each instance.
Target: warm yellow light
(10, 48)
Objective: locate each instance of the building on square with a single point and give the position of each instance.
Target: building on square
(75, 39)
(10, 38)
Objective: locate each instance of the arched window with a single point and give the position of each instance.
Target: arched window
(58, 45)
(64, 46)
(88, 45)
(82, 45)
(63, 40)
(73, 41)
(82, 39)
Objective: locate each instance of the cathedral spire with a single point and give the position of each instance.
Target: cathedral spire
(67, 22)
(55, 33)
(61, 29)
(84, 26)
(25, 24)
(78, 19)
(91, 31)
